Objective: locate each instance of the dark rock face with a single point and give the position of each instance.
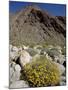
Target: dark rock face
(33, 25)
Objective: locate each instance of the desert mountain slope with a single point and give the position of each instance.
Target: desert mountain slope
(32, 25)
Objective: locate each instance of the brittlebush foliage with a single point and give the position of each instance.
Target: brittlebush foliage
(41, 72)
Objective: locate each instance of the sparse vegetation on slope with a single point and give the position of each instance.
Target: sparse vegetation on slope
(36, 27)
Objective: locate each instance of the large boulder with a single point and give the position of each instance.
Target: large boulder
(11, 70)
(18, 84)
(14, 72)
(24, 58)
(61, 68)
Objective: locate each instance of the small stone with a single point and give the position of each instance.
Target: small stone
(12, 64)
(56, 58)
(17, 68)
(15, 49)
(25, 47)
(48, 57)
(62, 83)
(63, 78)
(59, 59)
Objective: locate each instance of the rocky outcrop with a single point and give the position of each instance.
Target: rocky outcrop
(20, 57)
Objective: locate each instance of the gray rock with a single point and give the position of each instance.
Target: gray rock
(33, 52)
(15, 49)
(16, 76)
(17, 68)
(62, 59)
(14, 70)
(59, 49)
(56, 58)
(61, 68)
(11, 71)
(13, 53)
(62, 83)
(12, 64)
(63, 78)
(18, 84)
(53, 53)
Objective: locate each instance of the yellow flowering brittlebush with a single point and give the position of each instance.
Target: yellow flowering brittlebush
(42, 72)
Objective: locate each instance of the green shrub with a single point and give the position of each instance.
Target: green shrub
(41, 72)
(32, 52)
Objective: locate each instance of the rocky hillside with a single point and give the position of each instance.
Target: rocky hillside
(32, 25)
(37, 66)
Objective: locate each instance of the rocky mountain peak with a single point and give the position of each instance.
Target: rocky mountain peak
(33, 25)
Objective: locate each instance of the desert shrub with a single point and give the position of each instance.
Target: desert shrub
(32, 52)
(40, 47)
(41, 72)
(31, 45)
(45, 45)
(53, 52)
